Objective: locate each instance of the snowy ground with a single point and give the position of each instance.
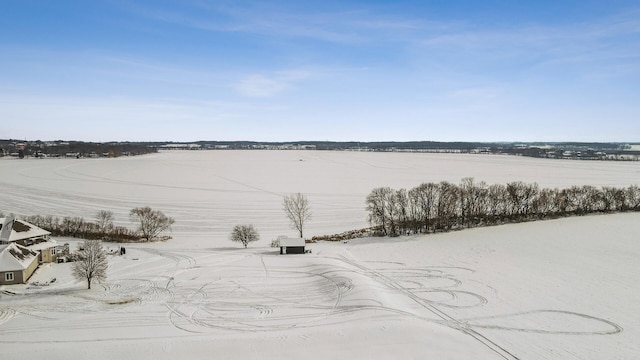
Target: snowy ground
(560, 289)
(208, 192)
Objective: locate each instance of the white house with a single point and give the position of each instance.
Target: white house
(17, 264)
(25, 236)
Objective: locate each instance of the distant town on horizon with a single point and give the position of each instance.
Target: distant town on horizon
(620, 151)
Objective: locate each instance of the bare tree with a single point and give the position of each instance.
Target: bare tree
(416, 212)
(632, 193)
(296, 207)
(152, 222)
(425, 197)
(376, 207)
(384, 211)
(563, 201)
(244, 234)
(447, 203)
(402, 211)
(544, 204)
(611, 198)
(104, 219)
(473, 200)
(496, 201)
(91, 263)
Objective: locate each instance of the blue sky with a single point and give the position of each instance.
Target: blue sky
(192, 70)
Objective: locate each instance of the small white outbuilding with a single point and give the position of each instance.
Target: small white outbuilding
(291, 245)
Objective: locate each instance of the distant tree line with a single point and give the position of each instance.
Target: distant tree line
(73, 148)
(150, 224)
(444, 206)
(414, 145)
(556, 150)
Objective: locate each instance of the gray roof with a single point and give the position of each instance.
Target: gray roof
(28, 231)
(14, 257)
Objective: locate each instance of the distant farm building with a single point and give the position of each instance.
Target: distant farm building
(291, 245)
(181, 147)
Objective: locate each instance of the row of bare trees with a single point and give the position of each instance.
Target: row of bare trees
(444, 206)
(79, 227)
(150, 224)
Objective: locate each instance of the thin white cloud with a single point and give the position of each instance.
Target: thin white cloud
(476, 93)
(356, 25)
(260, 86)
(49, 117)
(264, 86)
(561, 39)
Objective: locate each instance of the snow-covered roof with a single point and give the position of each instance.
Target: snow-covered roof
(24, 230)
(287, 241)
(15, 257)
(44, 245)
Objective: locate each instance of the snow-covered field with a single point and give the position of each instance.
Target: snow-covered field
(560, 289)
(208, 192)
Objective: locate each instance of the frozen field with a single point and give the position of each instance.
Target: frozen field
(560, 289)
(208, 192)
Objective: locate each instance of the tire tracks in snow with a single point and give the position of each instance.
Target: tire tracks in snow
(448, 319)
